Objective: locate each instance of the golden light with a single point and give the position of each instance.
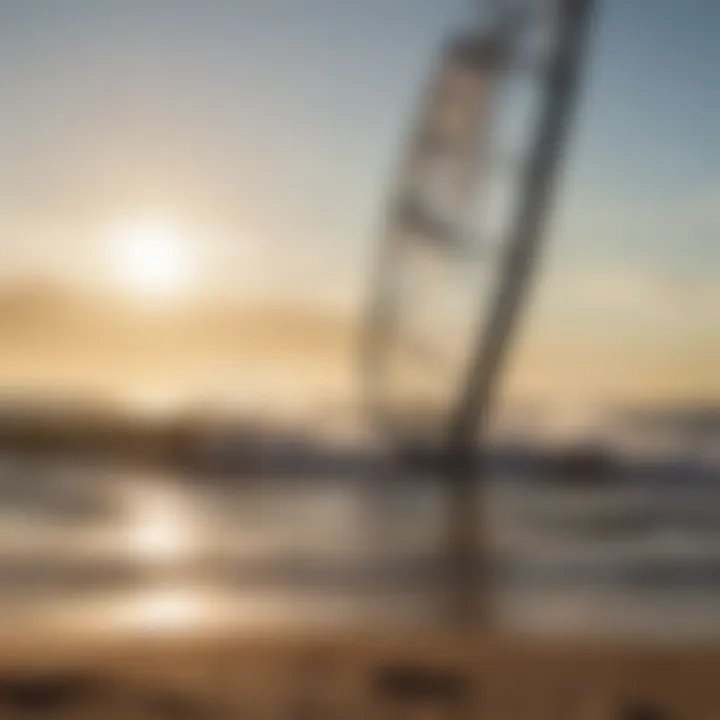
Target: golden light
(151, 256)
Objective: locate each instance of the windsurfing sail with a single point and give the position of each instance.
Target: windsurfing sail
(451, 283)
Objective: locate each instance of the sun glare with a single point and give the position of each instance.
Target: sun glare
(151, 257)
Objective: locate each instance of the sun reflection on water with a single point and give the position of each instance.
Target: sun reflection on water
(161, 529)
(169, 609)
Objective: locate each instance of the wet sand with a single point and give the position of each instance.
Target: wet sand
(351, 675)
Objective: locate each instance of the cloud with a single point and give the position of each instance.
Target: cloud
(60, 339)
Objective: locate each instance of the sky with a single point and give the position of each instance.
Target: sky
(269, 132)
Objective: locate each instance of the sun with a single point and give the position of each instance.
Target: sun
(151, 256)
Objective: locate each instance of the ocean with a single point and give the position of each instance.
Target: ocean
(87, 547)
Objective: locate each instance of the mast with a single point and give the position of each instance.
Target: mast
(467, 546)
(413, 367)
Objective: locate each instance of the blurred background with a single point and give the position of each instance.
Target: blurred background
(190, 196)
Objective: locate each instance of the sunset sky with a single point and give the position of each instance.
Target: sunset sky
(264, 133)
